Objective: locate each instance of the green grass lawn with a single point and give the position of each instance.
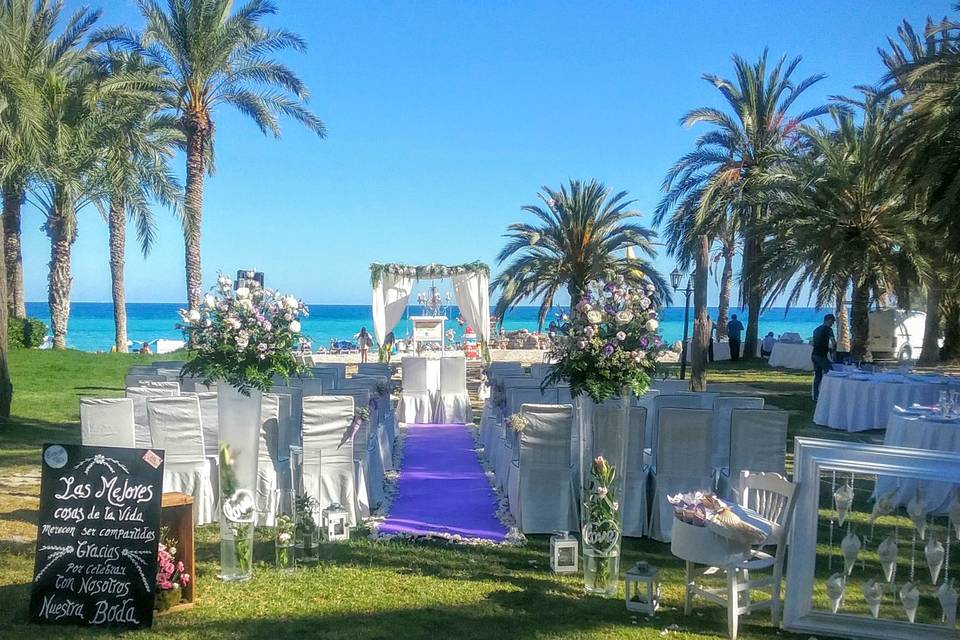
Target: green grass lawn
(363, 588)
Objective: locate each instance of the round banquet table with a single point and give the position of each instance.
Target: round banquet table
(861, 402)
(920, 432)
(791, 356)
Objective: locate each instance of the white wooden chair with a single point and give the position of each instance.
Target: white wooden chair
(771, 496)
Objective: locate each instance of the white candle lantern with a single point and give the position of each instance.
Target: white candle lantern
(564, 553)
(336, 527)
(642, 589)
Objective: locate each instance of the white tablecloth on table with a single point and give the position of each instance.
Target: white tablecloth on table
(791, 356)
(920, 432)
(851, 403)
(721, 351)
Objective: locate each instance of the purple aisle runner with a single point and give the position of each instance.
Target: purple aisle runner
(441, 488)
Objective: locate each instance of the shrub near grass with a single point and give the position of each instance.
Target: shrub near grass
(25, 333)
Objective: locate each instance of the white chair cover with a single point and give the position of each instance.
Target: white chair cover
(381, 417)
(317, 385)
(162, 384)
(453, 402)
(758, 443)
(337, 371)
(176, 427)
(682, 463)
(366, 455)
(290, 427)
(541, 490)
(516, 398)
(137, 379)
(141, 424)
(670, 385)
(107, 422)
(325, 420)
(416, 406)
(540, 369)
(375, 368)
(664, 401)
(210, 418)
(274, 411)
(723, 407)
(635, 512)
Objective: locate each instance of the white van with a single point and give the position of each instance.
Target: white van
(896, 334)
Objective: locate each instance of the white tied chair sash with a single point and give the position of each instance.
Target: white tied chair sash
(324, 420)
(176, 427)
(107, 422)
(541, 490)
(453, 402)
(416, 403)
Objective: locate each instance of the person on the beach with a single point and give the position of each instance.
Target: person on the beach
(364, 342)
(734, 329)
(388, 341)
(145, 349)
(823, 342)
(766, 346)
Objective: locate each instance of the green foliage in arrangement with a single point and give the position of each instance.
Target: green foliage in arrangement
(25, 333)
(424, 271)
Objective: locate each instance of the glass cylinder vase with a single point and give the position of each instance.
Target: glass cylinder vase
(239, 439)
(602, 428)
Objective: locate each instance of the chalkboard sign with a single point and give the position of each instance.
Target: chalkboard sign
(97, 536)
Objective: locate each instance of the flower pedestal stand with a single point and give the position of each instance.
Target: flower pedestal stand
(239, 424)
(603, 432)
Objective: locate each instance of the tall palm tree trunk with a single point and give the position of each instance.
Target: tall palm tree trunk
(726, 284)
(754, 297)
(6, 388)
(930, 351)
(701, 335)
(62, 233)
(13, 257)
(118, 240)
(198, 128)
(859, 320)
(843, 322)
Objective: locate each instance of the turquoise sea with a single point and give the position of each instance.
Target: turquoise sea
(91, 323)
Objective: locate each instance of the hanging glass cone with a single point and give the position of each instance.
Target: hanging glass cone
(835, 585)
(935, 553)
(947, 596)
(884, 506)
(843, 498)
(850, 548)
(910, 598)
(954, 512)
(873, 594)
(887, 551)
(918, 515)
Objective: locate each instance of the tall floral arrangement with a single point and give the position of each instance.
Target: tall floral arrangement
(243, 336)
(609, 341)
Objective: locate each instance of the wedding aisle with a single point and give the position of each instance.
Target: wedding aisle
(441, 488)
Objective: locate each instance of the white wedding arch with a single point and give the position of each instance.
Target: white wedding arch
(392, 284)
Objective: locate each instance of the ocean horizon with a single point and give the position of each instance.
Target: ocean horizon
(91, 323)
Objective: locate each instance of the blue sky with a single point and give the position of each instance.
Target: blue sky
(445, 117)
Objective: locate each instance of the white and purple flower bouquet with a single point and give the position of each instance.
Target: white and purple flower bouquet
(609, 341)
(243, 336)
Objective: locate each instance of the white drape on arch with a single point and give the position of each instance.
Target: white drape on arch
(472, 291)
(390, 298)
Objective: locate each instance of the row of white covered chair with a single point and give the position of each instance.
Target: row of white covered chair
(186, 424)
(435, 391)
(706, 439)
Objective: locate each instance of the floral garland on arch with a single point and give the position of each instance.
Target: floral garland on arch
(425, 271)
(243, 336)
(609, 342)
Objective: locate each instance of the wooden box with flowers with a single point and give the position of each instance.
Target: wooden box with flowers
(176, 589)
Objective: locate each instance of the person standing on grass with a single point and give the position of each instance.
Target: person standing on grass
(364, 342)
(823, 342)
(711, 329)
(734, 331)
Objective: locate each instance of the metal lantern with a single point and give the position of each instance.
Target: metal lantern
(336, 526)
(642, 588)
(564, 553)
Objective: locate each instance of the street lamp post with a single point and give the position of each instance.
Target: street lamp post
(675, 277)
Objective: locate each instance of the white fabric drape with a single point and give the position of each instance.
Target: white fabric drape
(389, 302)
(472, 291)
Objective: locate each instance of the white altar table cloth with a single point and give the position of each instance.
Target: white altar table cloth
(861, 402)
(920, 432)
(791, 356)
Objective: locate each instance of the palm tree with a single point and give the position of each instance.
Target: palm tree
(29, 49)
(582, 234)
(214, 57)
(924, 71)
(727, 238)
(841, 216)
(729, 162)
(135, 167)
